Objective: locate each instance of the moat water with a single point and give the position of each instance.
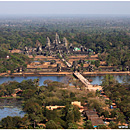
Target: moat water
(41, 79)
(11, 107)
(96, 79)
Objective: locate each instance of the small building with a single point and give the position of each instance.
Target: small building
(76, 49)
(73, 103)
(77, 103)
(95, 119)
(54, 107)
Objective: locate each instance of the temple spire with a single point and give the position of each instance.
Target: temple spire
(57, 39)
(48, 42)
(65, 42)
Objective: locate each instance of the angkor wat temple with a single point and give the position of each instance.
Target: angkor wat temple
(57, 46)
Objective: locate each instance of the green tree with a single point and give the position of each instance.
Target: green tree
(47, 82)
(108, 81)
(36, 82)
(72, 126)
(101, 126)
(120, 118)
(113, 125)
(51, 125)
(113, 114)
(77, 114)
(106, 114)
(97, 63)
(72, 94)
(34, 110)
(11, 122)
(70, 117)
(88, 125)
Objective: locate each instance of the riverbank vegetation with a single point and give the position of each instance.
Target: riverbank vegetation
(36, 99)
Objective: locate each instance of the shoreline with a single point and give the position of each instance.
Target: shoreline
(26, 74)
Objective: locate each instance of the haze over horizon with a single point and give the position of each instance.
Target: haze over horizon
(64, 7)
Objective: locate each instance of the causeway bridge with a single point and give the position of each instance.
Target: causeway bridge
(67, 63)
(78, 75)
(82, 79)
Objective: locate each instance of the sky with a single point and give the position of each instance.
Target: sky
(64, 7)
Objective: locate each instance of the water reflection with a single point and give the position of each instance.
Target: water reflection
(10, 107)
(96, 79)
(42, 78)
(9, 111)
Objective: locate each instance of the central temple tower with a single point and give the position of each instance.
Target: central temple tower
(57, 39)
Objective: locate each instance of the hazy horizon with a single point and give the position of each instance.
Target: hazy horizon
(62, 15)
(64, 8)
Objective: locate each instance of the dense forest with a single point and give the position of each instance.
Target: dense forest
(118, 93)
(108, 36)
(36, 98)
(11, 62)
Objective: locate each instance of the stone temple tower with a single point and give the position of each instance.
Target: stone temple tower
(48, 43)
(57, 39)
(65, 42)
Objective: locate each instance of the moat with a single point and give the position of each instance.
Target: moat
(95, 79)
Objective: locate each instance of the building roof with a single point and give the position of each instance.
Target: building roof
(76, 49)
(91, 113)
(95, 119)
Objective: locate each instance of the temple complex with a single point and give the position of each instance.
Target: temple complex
(58, 46)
